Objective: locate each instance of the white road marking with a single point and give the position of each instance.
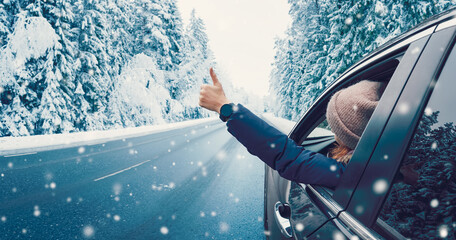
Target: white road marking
(112, 174)
(22, 154)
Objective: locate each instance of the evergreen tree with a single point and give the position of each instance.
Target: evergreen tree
(92, 67)
(193, 70)
(326, 37)
(80, 65)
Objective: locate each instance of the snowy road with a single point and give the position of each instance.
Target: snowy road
(190, 183)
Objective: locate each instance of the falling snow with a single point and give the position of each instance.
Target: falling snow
(36, 211)
(88, 231)
(443, 231)
(338, 235)
(434, 203)
(81, 150)
(224, 227)
(380, 186)
(164, 230)
(299, 227)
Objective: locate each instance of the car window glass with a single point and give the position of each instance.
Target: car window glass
(422, 201)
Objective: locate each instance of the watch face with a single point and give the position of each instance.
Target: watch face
(226, 110)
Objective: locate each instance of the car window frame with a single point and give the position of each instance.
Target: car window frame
(315, 115)
(412, 90)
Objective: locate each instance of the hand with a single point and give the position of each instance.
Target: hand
(212, 97)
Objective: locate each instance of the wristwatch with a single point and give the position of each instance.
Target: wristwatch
(226, 111)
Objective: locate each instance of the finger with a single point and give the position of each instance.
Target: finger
(214, 77)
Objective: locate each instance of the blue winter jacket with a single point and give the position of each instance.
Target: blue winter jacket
(279, 152)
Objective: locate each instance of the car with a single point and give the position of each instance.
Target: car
(401, 180)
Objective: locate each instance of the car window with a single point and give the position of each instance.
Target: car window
(422, 201)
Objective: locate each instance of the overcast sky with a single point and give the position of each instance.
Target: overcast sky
(242, 35)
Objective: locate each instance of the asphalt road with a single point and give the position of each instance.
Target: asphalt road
(191, 183)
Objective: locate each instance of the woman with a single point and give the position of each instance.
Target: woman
(347, 113)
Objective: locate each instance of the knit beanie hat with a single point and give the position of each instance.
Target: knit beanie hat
(350, 109)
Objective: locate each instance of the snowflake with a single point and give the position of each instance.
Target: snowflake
(416, 50)
(338, 235)
(10, 165)
(224, 227)
(443, 231)
(52, 185)
(428, 111)
(164, 230)
(299, 227)
(36, 211)
(349, 21)
(359, 209)
(333, 168)
(202, 214)
(404, 108)
(221, 155)
(117, 188)
(380, 186)
(116, 218)
(3, 218)
(213, 214)
(68, 199)
(88, 231)
(172, 185)
(434, 203)
(81, 150)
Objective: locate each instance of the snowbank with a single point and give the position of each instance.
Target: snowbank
(21, 145)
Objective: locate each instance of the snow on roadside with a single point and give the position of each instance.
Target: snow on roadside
(21, 145)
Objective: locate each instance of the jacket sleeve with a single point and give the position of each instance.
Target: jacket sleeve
(281, 153)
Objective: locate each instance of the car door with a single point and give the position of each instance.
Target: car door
(408, 188)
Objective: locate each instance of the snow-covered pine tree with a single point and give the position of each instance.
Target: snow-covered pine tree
(328, 36)
(139, 96)
(4, 25)
(193, 71)
(92, 63)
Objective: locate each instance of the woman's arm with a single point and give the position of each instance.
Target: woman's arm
(274, 148)
(281, 153)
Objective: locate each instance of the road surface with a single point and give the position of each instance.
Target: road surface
(192, 183)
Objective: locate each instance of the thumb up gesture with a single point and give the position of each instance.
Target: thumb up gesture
(212, 97)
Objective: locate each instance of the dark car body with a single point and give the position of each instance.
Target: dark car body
(387, 190)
